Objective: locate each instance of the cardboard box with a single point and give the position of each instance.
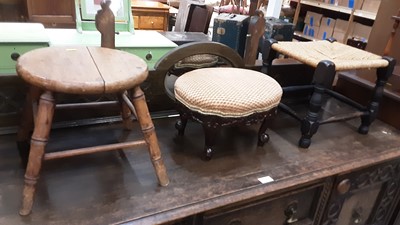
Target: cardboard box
(311, 31)
(328, 22)
(325, 32)
(332, 2)
(361, 31)
(341, 25)
(313, 19)
(339, 36)
(326, 28)
(356, 4)
(371, 5)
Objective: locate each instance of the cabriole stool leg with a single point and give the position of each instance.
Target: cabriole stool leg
(180, 124)
(39, 140)
(146, 124)
(210, 132)
(263, 137)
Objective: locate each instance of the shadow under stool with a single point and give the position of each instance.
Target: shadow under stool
(81, 71)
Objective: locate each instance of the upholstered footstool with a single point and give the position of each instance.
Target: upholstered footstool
(222, 96)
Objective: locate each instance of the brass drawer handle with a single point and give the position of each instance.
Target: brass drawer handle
(235, 222)
(357, 215)
(344, 186)
(290, 212)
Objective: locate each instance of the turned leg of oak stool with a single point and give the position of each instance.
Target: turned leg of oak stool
(383, 75)
(146, 124)
(323, 79)
(26, 124)
(39, 139)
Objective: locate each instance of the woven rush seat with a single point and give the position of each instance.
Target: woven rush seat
(224, 96)
(343, 56)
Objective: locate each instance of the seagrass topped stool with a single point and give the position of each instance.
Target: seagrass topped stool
(83, 71)
(328, 57)
(222, 96)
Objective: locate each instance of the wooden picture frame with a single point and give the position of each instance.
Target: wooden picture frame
(86, 11)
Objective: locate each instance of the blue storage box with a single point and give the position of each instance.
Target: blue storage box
(231, 30)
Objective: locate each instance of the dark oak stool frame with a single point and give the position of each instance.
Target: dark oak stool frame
(212, 124)
(322, 84)
(40, 104)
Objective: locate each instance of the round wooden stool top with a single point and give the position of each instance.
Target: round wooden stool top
(81, 70)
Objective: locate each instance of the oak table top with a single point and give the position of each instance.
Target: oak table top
(81, 70)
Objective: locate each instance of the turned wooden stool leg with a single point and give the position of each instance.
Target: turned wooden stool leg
(26, 124)
(39, 140)
(323, 79)
(146, 124)
(383, 75)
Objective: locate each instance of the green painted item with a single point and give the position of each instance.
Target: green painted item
(148, 45)
(17, 39)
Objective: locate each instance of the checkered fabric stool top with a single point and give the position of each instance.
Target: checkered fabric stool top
(223, 96)
(227, 92)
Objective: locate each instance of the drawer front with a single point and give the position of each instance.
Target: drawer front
(149, 55)
(367, 196)
(59, 25)
(50, 21)
(8, 51)
(151, 23)
(292, 208)
(136, 22)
